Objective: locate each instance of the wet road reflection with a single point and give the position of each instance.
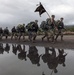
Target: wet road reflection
(47, 59)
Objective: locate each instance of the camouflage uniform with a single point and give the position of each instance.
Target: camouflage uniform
(45, 28)
(6, 32)
(13, 33)
(29, 29)
(52, 27)
(1, 33)
(60, 27)
(34, 30)
(22, 31)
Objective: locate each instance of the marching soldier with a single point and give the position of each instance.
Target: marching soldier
(1, 32)
(60, 27)
(34, 30)
(13, 33)
(45, 28)
(22, 31)
(52, 27)
(29, 29)
(6, 32)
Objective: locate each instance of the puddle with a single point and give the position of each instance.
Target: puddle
(21, 59)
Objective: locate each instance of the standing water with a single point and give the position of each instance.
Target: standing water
(19, 59)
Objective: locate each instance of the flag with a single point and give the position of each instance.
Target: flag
(40, 9)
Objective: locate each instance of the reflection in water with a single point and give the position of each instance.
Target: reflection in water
(22, 54)
(14, 49)
(49, 57)
(1, 48)
(52, 60)
(7, 48)
(33, 55)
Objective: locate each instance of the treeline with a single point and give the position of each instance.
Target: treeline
(69, 28)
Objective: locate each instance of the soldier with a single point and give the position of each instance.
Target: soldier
(13, 32)
(23, 31)
(19, 31)
(45, 28)
(34, 30)
(1, 32)
(52, 27)
(60, 27)
(6, 32)
(29, 29)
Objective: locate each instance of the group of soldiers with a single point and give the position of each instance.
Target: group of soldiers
(52, 29)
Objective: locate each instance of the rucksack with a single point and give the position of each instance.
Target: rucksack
(29, 25)
(44, 25)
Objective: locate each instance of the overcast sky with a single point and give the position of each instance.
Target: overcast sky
(14, 12)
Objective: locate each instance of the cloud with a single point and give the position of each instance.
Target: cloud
(13, 12)
(62, 9)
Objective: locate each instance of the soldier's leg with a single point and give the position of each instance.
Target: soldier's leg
(12, 35)
(23, 34)
(30, 36)
(61, 36)
(53, 35)
(19, 35)
(15, 36)
(49, 36)
(1, 36)
(34, 36)
(6, 36)
(56, 36)
(45, 35)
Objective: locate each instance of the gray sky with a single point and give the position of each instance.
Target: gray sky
(14, 12)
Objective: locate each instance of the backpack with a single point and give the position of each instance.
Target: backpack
(13, 30)
(60, 25)
(44, 26)
(1, 31)
(48, 21)
(29, 25)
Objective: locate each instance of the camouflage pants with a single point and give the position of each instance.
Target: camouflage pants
(1, 35)
(45, 35)
(34, 34)
(13, 35)
(20, 35)
(6, 36)
(52, 34)
(59, 33)
(30, 35)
